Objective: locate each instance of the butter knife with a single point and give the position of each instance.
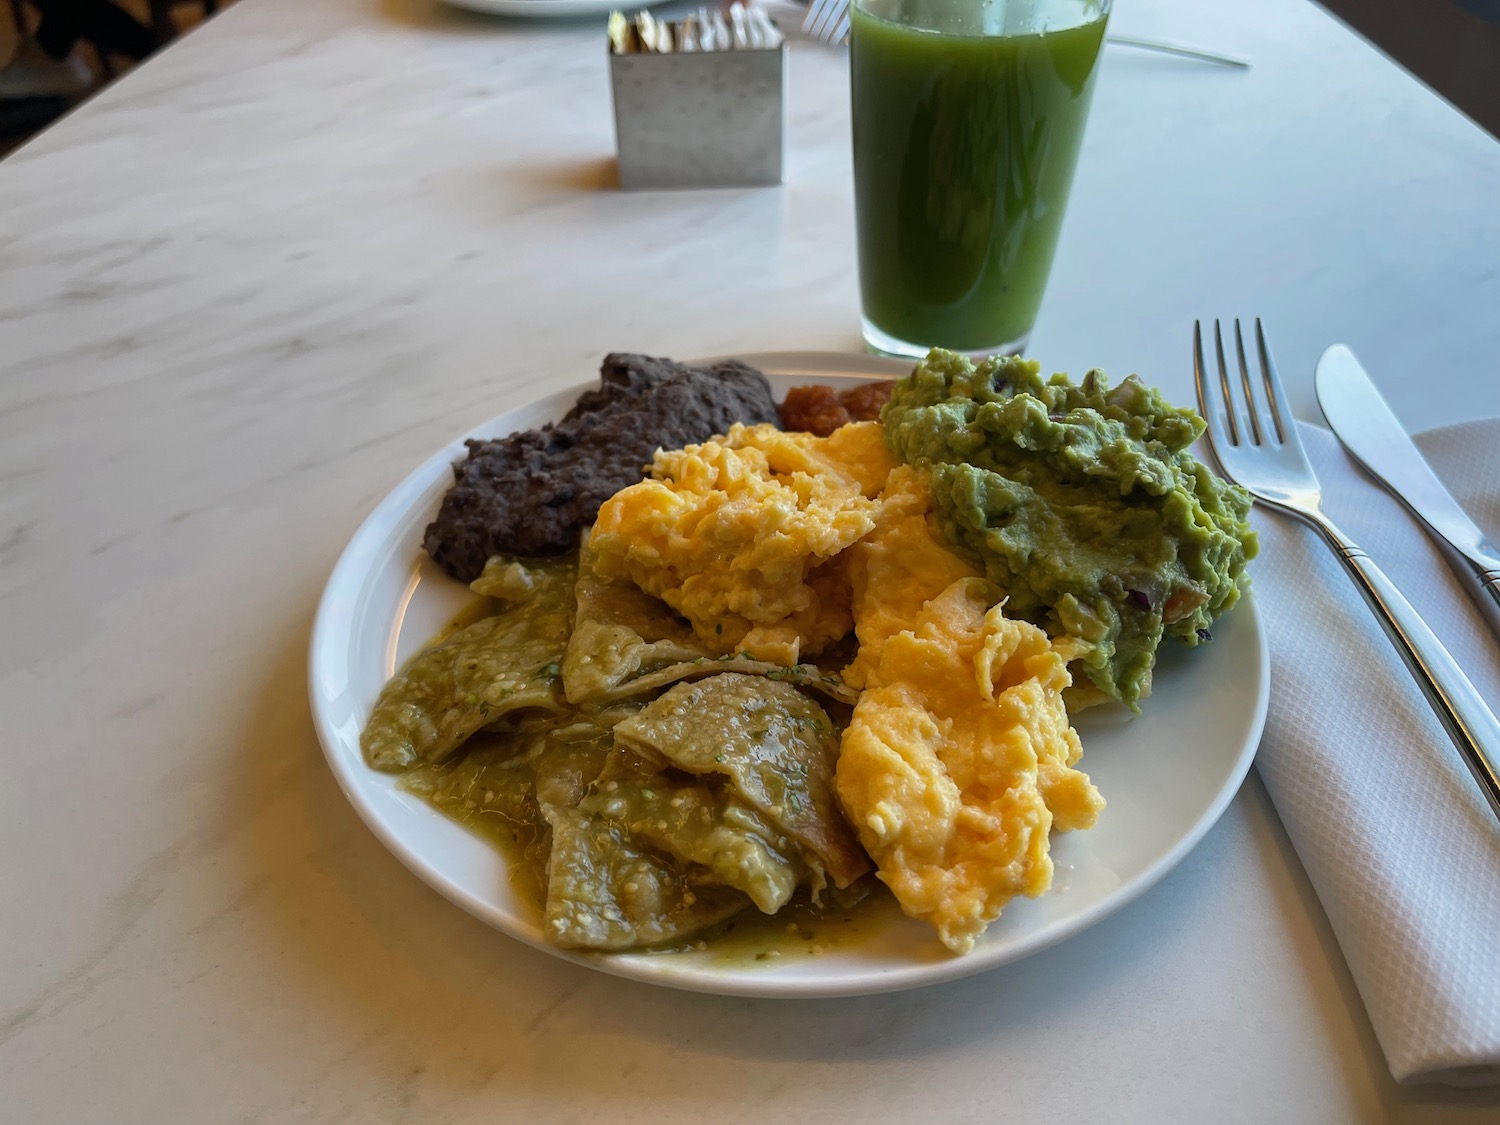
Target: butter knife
(1374, 436)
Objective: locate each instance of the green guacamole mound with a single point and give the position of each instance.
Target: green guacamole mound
(1081, 501)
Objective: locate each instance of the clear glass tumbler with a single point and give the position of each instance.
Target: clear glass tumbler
(968, 116)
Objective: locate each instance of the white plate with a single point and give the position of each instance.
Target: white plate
(550, 9)
(1167, 774)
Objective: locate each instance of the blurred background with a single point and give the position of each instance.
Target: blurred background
(98, 40)
(1451, 45)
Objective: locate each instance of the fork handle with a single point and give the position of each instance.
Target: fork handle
(1457, 703)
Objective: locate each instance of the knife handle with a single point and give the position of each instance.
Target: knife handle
(1453, 698)
(1480, 581)
(1486, 593)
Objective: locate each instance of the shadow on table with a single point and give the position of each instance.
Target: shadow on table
(587, 174)
(379, 984)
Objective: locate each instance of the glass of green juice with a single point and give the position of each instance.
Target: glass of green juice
(968, 116)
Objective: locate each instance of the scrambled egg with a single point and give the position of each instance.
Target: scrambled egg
(744, 535)
(959, 759)
(898, 568)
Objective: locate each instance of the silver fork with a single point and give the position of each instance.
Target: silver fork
(827, 20)
(1259, 448)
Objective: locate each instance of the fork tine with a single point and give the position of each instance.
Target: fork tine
(821, 17)
(1274, 390)
(827, 20)
(1250, 408)
(1276, 472)
(1208, 405)
(814, 14)
(821, 23)
(1231, 408)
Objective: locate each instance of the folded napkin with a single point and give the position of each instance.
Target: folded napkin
(1400, 845)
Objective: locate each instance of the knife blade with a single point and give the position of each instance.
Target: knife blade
(1373, 435)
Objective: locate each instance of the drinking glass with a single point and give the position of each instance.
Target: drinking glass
(968, 116)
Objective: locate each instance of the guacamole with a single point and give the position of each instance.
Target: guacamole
(1081, 501)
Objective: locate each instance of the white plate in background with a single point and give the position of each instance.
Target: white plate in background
(550, 9)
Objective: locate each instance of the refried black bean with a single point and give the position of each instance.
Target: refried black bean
(532, 492)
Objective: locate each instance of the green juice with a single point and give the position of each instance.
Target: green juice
(965, 139)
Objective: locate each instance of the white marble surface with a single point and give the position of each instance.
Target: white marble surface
(244, 290)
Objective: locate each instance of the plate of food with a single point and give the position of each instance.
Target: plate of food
(798, 674)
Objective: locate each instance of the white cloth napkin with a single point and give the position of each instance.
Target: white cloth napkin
(1399, 843)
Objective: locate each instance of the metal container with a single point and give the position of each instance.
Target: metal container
(700, 119)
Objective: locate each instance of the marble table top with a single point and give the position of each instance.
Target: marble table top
(246, 289)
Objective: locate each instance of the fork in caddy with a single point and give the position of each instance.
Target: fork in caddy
(827, 20)
(1258, 447)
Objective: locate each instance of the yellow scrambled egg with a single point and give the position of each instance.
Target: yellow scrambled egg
(898, 568)
(744, 535)
(959, 759)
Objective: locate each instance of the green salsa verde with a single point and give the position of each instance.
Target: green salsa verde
(965, 140)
